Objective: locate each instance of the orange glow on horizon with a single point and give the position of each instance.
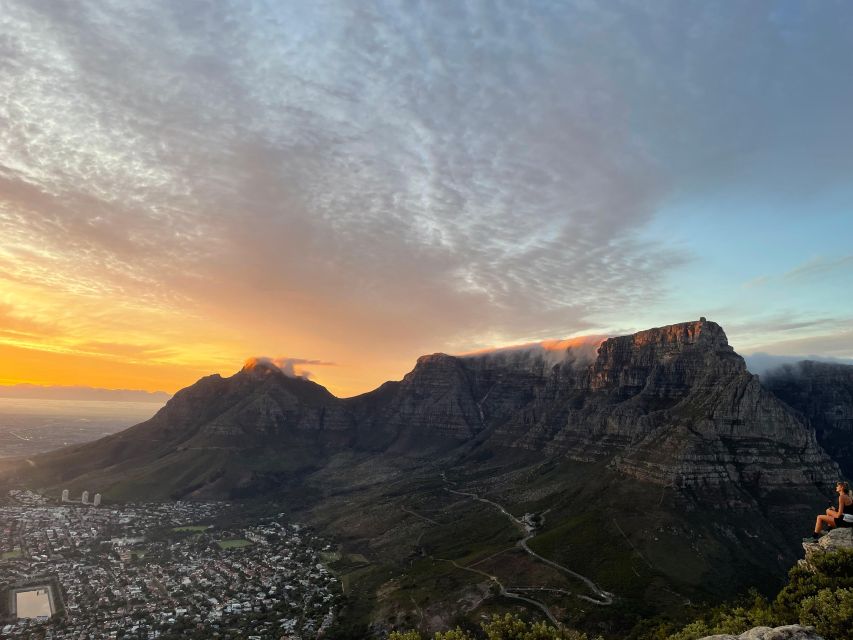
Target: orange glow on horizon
(64, 331)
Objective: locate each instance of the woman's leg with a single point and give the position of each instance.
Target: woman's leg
(829, 521)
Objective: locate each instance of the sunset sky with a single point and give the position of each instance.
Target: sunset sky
(348, 185)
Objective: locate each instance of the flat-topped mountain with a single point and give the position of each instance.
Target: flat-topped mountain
(673, 405)
(703, 478)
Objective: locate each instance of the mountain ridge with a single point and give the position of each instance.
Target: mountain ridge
(664, 432)
(668, 405)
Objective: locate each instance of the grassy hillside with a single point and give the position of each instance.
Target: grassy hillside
(423, 546)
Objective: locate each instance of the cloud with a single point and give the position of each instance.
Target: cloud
(376, 180)
(578, 351)
(819, 266)
(238, 146)
(765, 363)
(288, 366)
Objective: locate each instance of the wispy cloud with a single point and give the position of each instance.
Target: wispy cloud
(819, 266)
(354, 180)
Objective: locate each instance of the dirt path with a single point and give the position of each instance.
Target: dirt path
(506, 592)
(602, 597)
(418, 515)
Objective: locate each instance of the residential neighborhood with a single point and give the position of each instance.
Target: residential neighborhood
(157, 570)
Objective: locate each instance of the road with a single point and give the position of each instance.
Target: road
(528, 531)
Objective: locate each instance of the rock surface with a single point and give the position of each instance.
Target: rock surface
(789, 632)
(835, 540)
(674, 406)
(823, 392)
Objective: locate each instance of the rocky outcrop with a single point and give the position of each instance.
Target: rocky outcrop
(823, 393)
(673, 405)
(789, 632)
(432, 408)
(835, 540)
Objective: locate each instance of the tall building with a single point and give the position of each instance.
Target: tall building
(65, 495)
(97, 500)
(85, 498)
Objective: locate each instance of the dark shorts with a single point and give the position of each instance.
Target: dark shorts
(840, 523)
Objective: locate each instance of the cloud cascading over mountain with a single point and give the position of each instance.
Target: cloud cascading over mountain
(361, 183)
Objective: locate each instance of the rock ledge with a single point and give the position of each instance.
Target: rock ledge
(835, 540)
(790, 632)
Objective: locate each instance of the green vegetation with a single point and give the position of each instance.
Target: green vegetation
(822, 598)
(233, 544)
(506, 627)
(194, 528)
(330, 556)
(11, 555)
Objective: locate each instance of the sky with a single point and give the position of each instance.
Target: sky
(344, 186)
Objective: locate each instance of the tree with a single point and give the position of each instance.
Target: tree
(506, 627)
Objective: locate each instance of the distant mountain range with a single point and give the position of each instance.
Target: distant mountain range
(664, 430)
(57, 392)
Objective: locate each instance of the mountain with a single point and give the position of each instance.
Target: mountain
(56, 392)
(823, 393)
(208, 438)
(671, 406)
(702, 477)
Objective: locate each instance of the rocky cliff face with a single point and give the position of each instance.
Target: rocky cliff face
(673, 406)
(823, 393)
(835, 540)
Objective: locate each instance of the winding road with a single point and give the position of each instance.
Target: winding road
(528, 531)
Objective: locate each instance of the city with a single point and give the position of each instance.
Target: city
(157, 570)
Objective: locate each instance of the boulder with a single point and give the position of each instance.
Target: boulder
(789, 632)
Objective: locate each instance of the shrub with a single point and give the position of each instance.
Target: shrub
(507, 627)
(831, 571)
(733, 620)
(819, 596)
(830, 612)
(455, 634)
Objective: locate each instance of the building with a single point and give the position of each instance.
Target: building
(65, 495)
(97, 500)
(85, 498)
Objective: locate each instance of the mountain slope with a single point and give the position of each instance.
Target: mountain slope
(673, 406)
(209, 437)
(661, 440)
(823, 393)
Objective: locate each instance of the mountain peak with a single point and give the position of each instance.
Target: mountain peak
(700, 331)
(260, 367)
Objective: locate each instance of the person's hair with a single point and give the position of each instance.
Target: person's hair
(844, 485)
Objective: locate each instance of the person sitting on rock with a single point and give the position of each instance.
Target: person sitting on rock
(835, 517)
